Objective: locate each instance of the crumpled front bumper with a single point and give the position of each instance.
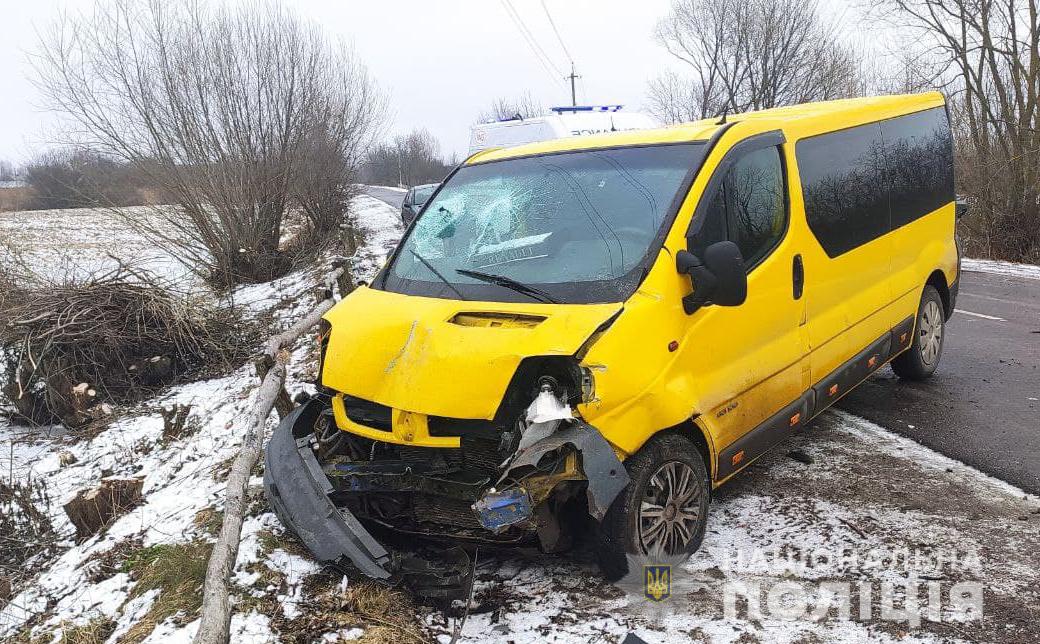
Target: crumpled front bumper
(298, 490)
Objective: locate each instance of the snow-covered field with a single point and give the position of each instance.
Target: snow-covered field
(80, 240)
(843, 505)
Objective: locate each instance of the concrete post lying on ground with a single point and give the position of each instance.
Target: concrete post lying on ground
(216, 606)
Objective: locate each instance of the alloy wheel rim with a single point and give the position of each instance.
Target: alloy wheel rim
(669, 510)
(930, 332)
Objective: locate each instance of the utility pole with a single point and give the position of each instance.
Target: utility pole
(573, 77)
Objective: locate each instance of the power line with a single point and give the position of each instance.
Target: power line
(532, 42)
(557, 32)
(532, 37)
(573, 76)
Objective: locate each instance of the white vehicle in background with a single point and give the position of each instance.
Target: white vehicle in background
(579, 120)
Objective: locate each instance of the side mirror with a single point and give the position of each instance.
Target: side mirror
(719, 278)
(960, 207)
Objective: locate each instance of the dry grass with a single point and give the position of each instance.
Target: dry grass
(387, 615)
(209, 520)
(105, 564)
(14, 198)
(96, 631)
(177, 571)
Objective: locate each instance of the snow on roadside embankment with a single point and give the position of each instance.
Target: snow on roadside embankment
(997, 267)
(855, 494)
(183, 480)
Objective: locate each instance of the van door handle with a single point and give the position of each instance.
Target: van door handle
(798, 273)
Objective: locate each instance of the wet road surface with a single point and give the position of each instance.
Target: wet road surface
(982, 406)
(389, 195)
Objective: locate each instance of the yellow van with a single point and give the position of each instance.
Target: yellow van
(596, 332)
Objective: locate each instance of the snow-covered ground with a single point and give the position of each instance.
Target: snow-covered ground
(1028, 271)
(844, 504)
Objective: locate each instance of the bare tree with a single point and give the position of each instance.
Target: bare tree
(408, 160)
(748, 55)
(986, 55)
(79, 179)
(503, 109)
(241, 113)
(675, 99)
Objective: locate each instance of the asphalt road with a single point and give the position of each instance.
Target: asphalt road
(982, 406)
(390, 196)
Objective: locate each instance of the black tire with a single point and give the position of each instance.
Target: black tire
(619, 534)
(921, 359)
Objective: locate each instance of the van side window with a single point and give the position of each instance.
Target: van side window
(843, 185)
(919, 158)
(757, 213)
(749, 208)
(714, 227)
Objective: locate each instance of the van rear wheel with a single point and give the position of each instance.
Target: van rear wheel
(662, 512)
(921, 359)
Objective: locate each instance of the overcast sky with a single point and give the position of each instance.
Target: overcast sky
(441, 63)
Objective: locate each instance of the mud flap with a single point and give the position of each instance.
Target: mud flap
(606, 474)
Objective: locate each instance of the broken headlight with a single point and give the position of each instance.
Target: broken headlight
(550, 403)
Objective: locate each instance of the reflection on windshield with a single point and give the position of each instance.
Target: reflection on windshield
(558, 221)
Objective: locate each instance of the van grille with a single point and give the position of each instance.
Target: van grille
(441, 510)
(367, 413)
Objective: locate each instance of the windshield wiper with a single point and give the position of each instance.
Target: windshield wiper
(437, 273)
(510, 283)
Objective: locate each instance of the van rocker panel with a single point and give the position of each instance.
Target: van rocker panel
(763, 437)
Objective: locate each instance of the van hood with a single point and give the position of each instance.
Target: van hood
(441, 357)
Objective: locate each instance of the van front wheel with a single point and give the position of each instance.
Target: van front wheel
(662, 512)
(920, 360)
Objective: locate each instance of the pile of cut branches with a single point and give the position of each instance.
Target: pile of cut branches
(113, 336)
(26, 533)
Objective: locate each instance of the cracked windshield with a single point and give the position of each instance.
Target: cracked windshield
(569, 227)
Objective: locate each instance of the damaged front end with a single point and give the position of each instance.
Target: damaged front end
(526, 478)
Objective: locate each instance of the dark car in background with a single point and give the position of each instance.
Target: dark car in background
(414, 200)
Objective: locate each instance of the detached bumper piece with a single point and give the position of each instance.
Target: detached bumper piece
(298, 490)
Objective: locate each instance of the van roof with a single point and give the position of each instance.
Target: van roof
(847, 112)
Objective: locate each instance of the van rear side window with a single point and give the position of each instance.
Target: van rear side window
(919, 158)
(843, 184)
(864, 181)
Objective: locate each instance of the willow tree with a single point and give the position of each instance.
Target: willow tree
(237, 115)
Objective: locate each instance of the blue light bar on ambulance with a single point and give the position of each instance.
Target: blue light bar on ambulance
(587, 108)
